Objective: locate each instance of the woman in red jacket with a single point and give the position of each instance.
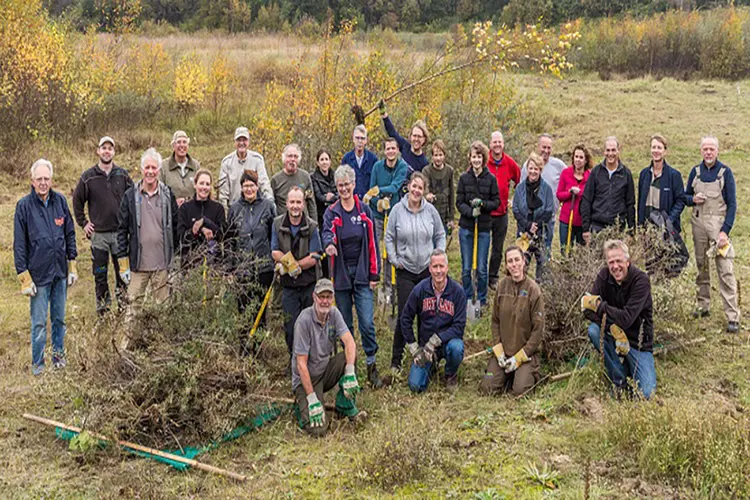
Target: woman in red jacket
(569, 191)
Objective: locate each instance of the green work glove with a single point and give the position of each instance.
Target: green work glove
(317, 414)
(476, 202)
(349, 383)
(381, 107)
(431, 347)
(622, 344)
(517, 360)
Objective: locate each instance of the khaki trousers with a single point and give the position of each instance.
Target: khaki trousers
(706, 230)
(144, 282)
(495, 379)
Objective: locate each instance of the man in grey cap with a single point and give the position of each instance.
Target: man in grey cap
(316, 370)
(233, 166)
(178, 170)
(102, 187)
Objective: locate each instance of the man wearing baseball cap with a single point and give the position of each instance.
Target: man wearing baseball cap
(179, 169)
(102, 187)
(234, 165)
(316, 370)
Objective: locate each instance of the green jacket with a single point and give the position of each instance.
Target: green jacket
(182, 187)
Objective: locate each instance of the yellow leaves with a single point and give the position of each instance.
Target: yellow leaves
(190, 83)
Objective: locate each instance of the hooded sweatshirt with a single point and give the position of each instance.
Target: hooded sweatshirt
(411, 237)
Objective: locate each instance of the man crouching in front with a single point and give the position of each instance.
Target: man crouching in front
(316, 370)
(622, 292)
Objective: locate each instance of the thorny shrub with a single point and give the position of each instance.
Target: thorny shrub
(181, 379)
(567, 279)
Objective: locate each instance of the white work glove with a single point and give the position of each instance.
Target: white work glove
(72, 273)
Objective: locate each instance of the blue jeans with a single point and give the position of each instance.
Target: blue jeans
(549, 234)
(453, 352)
(638, 365)
(359, 296)
(51, 297)
(466, 239)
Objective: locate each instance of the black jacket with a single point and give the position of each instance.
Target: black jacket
(299, 245)
(605, 198)
(628, 306)
(103, 193)
(323, 185)
(128, 240)
(483, 187)
(249, 234)
(212, 213)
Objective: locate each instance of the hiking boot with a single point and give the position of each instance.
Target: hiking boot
(733, 327)
(451, 383)
(700, 313)
(374, 377)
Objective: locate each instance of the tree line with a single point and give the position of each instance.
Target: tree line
(411, 15)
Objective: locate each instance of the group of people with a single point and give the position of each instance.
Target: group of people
(336, 233)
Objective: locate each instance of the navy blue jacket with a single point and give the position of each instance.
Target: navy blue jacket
(541, 215)
(44, 237)
(671, 198)
(416, 162)
(445, 317)
(362, 184)
(729, 192)
(368, 266)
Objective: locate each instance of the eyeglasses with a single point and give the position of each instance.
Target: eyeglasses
(343, 184)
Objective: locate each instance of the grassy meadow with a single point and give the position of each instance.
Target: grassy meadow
(566, 440)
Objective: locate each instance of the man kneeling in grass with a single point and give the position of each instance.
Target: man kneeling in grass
(623, 293)
(315, 371)
(440, 304)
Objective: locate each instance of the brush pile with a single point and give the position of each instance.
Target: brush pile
(181, 380)
(567, 279)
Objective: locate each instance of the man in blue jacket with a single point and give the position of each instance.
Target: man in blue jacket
(44, 250)
(440, 303)
(660, 186)
(361, 160)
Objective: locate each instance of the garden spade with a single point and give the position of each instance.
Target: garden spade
(393, 318)
(474, 306)
(570, 224)
(382, 296)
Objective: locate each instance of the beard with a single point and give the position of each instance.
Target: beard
(106, 162)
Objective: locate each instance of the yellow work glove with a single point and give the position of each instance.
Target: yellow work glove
(124, 265)
(523, 242)
(590, 302)
(384, 204)
(28, 287)
(290, 264)
(374, 191)
(517, 360)
(499, 353)
(714, 250)
(622, 344)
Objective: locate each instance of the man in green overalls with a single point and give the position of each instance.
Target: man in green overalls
(712, 193)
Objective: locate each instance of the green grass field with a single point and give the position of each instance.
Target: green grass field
(437, 445)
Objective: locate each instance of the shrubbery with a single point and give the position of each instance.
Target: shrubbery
(710, 44)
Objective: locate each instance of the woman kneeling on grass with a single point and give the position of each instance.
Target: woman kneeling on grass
(517, 326)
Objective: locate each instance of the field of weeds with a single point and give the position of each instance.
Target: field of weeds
(566, 440)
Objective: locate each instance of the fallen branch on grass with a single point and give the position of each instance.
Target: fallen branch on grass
(279, 399)
(143, 449)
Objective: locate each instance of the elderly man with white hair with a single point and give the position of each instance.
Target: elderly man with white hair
(147, 232)
(44, 250)
(292, 176)
(178, 170)
(235, 164)
(712, 193)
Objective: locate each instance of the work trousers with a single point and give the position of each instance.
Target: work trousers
(499, 231)
(495, 379)
(293, 301)
(104, 248)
